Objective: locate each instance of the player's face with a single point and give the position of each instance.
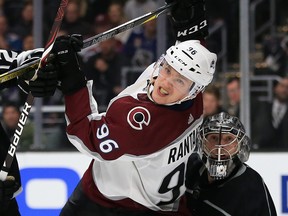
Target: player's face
(221, 146)
(170, 86)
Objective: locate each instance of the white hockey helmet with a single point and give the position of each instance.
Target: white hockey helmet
(193, 61)
(221, 158)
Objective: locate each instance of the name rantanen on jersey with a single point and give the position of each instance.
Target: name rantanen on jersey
(185, 146)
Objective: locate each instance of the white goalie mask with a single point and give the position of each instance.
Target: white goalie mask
(223, 143)
(193, 61)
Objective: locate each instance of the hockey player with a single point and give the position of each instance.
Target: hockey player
(11, 187)
(225, 184)
(140, 146)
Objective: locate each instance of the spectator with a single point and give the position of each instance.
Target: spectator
(12, 10)
(211, 101)
(96, 7)
(284, 45)
(8, 40)
(275, 56)
(73, 22)
(10, 117)
(234, 96)
(117, 17)
(232, 106)
(136, 8)
(225, 185)
(101, 24)
(271, 122)
(104, 69)
(28, 42)
(24, 25)
(2, 7)
(141, 46)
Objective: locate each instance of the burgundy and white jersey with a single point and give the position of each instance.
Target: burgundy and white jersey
(139, 149)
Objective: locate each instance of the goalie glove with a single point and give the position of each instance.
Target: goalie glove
(188, 19)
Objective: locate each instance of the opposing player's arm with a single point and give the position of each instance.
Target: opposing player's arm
(6, 59)
(11, 59)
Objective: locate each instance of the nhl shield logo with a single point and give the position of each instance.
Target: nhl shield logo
(138, 117)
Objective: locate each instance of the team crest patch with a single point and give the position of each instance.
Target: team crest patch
(138, 117)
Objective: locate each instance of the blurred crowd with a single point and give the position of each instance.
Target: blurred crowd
(137, 48)
(268, 119)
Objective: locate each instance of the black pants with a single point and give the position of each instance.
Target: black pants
(79, 204)
(9, 209)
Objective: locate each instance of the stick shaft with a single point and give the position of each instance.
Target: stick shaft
(126, 26)
(91, 41)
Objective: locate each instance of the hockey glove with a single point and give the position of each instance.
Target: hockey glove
(70, 75)
(46, 82)
(195, 167)
(23, 58)
(7, 190)
(188, 19)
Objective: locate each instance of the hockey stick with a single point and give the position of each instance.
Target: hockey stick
(28, 104)
(91, 41)
(125, 26)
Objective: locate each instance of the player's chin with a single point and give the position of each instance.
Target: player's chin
(163, 100)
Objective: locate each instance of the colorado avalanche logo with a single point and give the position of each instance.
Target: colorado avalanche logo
(138, 117)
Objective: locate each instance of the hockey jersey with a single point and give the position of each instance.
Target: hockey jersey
(6, 59)
(139, 149)
(242, 193)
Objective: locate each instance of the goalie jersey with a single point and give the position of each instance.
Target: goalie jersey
(139, 149)
(244, 192)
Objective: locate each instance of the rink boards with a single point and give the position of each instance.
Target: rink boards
(49, 178)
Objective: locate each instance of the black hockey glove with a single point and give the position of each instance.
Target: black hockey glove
(193, 173)
(188, 19)
(23, 58)
(46, 82)
(70, 74)
(7, 190)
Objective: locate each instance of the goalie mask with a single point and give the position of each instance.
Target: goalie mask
(193, 61)
(223, 144)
